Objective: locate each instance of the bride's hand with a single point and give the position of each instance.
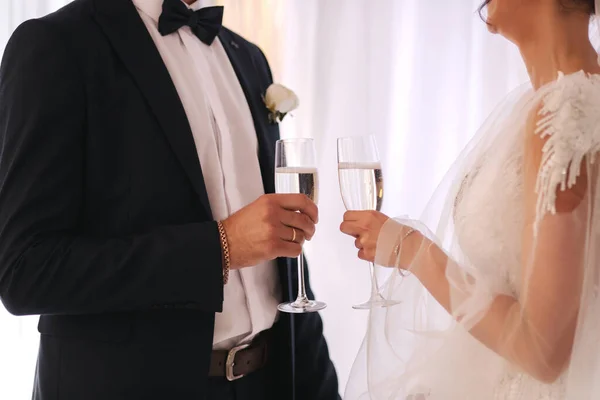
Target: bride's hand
(365, 227)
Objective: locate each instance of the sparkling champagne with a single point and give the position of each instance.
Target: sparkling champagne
(297, 180)
(361, 185)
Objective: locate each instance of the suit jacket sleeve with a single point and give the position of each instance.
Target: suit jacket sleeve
(315, 376)
(48, 265)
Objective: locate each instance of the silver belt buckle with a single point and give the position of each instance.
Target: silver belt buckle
(230, 362)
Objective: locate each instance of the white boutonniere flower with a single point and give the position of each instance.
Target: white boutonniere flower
(280, 101)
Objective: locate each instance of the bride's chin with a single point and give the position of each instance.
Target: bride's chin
(492, 28)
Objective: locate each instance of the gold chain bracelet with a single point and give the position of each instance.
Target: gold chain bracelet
(225, 248)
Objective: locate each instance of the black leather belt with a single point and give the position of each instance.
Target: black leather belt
(241, 360)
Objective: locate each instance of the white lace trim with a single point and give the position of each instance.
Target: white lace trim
(570, 119)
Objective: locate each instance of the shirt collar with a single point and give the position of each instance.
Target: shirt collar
(153, 8)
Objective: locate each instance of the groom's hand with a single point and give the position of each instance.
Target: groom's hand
(264, 229)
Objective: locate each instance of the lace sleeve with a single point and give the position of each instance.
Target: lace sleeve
(570, 125)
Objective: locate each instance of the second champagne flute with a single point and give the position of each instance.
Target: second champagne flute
(361, 186)
(296, 172)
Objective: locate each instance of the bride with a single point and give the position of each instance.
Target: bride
(499, 280)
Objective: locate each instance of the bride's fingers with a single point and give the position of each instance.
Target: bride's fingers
(365, 255)
(358, 243)
(353, 215)
(350, 228)
(357, 215)
(362, 255)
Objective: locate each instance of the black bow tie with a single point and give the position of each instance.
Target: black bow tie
(205, 23)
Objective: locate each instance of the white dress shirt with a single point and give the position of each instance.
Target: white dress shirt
(227, 147)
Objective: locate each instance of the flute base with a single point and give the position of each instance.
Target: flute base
(376, 302)
(301, 307)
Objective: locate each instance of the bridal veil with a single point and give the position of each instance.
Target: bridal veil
(504, 227)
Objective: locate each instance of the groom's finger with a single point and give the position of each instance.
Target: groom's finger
(289, 234)
(299, 202)
(299, 221)
(289, 249)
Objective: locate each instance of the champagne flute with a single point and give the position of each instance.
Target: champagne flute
(296, 172)
(361, 186)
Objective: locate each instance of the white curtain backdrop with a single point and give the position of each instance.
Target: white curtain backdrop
(419, 75)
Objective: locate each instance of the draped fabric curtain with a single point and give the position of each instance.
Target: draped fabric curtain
(261, 22)
(419, 75)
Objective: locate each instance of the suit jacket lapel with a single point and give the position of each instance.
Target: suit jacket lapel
(129, 37)
(254, 89)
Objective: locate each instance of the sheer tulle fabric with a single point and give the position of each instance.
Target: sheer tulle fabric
(493, 248)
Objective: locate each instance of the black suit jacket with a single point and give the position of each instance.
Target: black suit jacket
(105, 225)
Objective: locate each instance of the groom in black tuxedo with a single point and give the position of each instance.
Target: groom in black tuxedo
(136, 214)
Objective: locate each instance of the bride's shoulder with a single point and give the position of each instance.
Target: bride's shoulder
(565, 114)
(563, 130)
(567, 117)
(569, 106)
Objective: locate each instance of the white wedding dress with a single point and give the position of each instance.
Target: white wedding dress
(488, 224)
(416, 351)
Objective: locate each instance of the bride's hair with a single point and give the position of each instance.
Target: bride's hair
(589, 5)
